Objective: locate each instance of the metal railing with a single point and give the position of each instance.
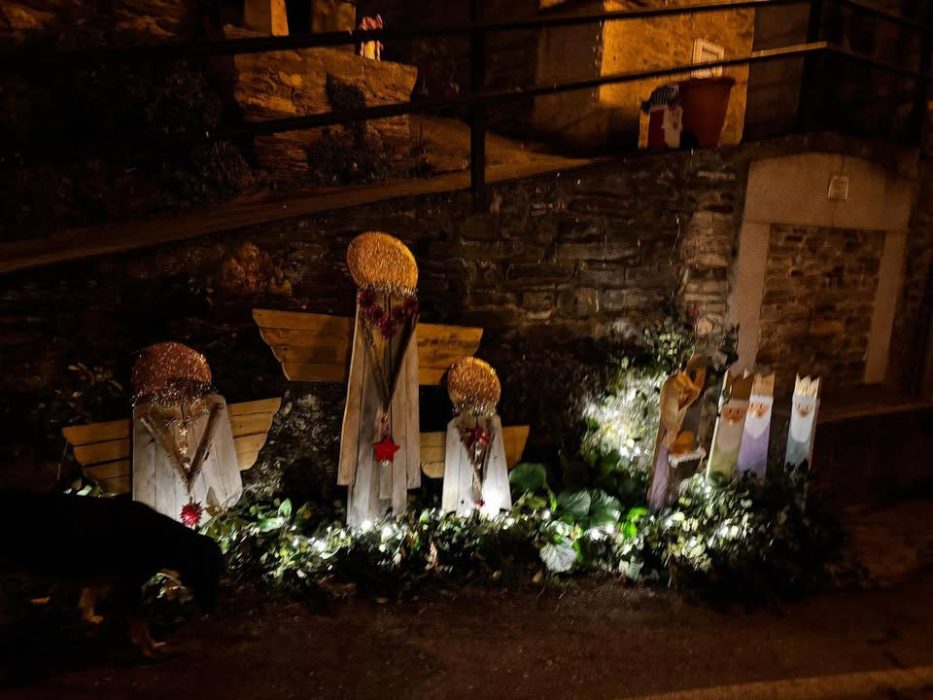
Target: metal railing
(32, 63)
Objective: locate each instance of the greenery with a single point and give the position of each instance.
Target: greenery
(737, 537)
(732, 537)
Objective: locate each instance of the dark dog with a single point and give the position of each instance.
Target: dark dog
(111, 543)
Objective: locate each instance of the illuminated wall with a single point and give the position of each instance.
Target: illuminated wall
(611, 113)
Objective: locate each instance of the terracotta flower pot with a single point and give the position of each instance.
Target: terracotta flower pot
(705, 101)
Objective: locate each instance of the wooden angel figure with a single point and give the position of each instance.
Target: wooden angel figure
(476, 475)
(800, 433)
(753, 451)
(675, 445)
(730, 424)
(184, 458)
(380, 440)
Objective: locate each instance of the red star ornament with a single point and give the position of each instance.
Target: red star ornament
(385, 450)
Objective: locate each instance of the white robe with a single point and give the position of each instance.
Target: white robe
(458, 495)
(372, 488)
(157, 481)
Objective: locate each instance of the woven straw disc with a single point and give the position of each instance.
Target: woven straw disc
(382, 262)
(166, 368)
(473, 387)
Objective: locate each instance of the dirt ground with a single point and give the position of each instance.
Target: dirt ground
(588, 640)
(598, 642)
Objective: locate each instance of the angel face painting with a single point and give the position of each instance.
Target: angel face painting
(759, 417)
(801, 424)
(802, 421)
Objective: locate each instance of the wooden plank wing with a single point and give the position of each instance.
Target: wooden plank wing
(434, 449)
(103, 449)
(316, 347)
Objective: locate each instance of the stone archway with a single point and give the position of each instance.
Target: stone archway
(816, 273)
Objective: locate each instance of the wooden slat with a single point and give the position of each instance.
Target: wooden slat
(103, 449)
(314, 373)
(97, 432)
(323, 324)
(249, 443)
(258, 406)
(245, 460)
(102, 452)
(250, 424)
(298, 338)
(109, 470)
(434, 449)
(120, 484)
(335, 354)
(316, 347)
(515, 437)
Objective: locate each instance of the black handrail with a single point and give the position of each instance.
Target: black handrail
(25, 61)
(42, 59)
(158, 142)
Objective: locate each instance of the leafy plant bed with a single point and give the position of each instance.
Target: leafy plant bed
(735, 539)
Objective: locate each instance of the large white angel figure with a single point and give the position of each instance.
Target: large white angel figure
(476, 474)
(380, 445)
(184, 458)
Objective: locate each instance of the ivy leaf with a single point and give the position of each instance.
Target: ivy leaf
(528, 476)
(270, 524)
(559, 557)
(574, 503)
(604, 509)
(285, 509)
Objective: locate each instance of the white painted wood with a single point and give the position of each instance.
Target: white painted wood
(413, 415)
(349, 434)
(459, 473)
(375, 488)
(363, 498)
(156, 479)
(497, 495)
(453, 461)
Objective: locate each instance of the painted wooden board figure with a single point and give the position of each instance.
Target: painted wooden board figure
(476, 472)
(184, 457)
(800, 433)
(380, 439)
(753, 452)
(675, 445)
(730, 424)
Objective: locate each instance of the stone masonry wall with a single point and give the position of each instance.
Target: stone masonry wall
(562, 272)
(818, 297)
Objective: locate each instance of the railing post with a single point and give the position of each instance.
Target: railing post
(808, 81)
(477, 111)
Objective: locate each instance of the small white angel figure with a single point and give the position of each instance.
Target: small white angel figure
(184, 457)
(476, 474)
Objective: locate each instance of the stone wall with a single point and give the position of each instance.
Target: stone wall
(562, 272)
(816, 310)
